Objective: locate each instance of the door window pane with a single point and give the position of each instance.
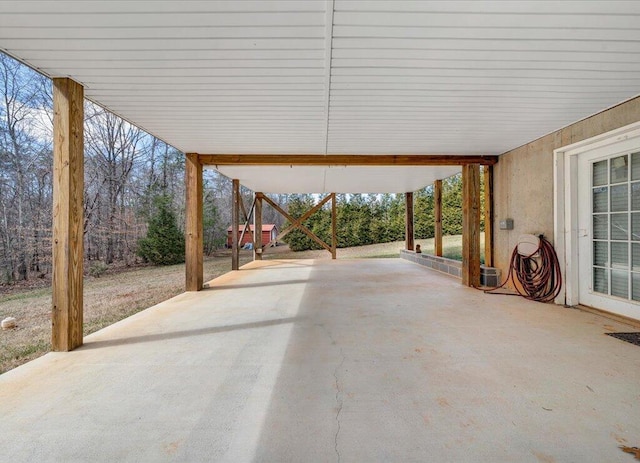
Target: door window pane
(601, 199)
(635, 257)
(601, 253)
(601, 227)
(619, 169)
(620, 283)
(619, 199)
(600, 280)
(635, 226)
(635, 286)
(635, 167)
(635, 196)
(619, 227)
(619, 255)
(600, 173)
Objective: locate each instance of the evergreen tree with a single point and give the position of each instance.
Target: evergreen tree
(297, 239)
(368, 219)
(164, 243)
(396, 217)
(452, 205)
(378, 226)
(424, 221)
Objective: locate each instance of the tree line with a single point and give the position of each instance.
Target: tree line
(369, 219)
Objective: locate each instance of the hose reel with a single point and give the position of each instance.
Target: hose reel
(528, 245)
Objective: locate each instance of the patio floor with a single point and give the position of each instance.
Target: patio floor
(319, 361)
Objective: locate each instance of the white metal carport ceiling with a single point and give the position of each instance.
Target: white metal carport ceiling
(337, 76)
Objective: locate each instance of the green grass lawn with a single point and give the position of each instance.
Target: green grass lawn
(451, 246)
(452, 249)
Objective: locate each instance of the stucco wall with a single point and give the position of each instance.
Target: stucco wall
(523, 178)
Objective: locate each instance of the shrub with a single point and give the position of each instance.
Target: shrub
(164, 243)
(97, 269)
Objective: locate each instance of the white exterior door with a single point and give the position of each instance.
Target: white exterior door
(608, 228)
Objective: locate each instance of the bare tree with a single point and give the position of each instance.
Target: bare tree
(25, 168)
(125, 170)
(113, 148)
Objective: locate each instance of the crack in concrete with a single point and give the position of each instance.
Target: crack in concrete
(339, 398)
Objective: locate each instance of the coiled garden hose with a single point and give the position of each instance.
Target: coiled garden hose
(538, 275)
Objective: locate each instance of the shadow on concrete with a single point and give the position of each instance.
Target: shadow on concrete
(186, 333)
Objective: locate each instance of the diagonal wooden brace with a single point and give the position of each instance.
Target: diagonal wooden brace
(247, 220)
(297, 223)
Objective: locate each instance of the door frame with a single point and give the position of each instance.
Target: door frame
(565, 204)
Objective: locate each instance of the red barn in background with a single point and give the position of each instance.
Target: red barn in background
(269, 232)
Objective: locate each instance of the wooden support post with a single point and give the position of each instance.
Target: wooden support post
(235, 224)
(194, 248)
(471, 225)
(488, 216)
(408, 235)
(257, 227)
(437, 212)
(334, 226)
(68, 237)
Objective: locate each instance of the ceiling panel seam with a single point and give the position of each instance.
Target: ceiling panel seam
(327, 67)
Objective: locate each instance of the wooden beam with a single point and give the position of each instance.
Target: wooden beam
(408, 216)
(257, 227)
(471, 225)
(345, 160)
(194, 235)
(235, 224)
(437, 212)
(68, 237)
(334, 226)
(488, 216)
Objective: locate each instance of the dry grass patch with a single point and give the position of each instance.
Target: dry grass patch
(107, 300)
